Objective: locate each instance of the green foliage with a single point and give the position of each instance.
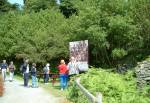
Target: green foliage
(115, 88)
(40, 37)
(67, 8)
(37, 5)
(5, 6)
(118, 53)
(116, 29)
(108, 25)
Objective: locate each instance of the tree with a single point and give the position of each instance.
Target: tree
(38, 36)
(6, 6)
(67, 8)
(108, 27)
(37, 5)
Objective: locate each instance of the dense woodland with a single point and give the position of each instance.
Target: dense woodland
(118, 32)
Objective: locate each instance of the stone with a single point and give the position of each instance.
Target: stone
(142, 72)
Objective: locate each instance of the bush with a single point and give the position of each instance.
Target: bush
(119, 53)
(114, 87)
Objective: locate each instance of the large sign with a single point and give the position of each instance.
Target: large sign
(79, 50)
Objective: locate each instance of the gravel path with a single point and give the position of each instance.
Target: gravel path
(15, 92)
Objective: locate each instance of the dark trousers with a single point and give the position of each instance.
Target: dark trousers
(26, 79)
(46, 78)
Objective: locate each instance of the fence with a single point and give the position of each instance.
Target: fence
(91, 98)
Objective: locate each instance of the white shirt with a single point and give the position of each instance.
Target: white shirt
(73, 68)
(27, 70)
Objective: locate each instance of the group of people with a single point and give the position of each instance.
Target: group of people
(10, 68)
(65, 71)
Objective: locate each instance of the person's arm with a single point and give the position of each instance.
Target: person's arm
(7, 68)
(14, 67)
(48, 70)
(0, 66)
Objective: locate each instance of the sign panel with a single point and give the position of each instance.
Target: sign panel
(79, 50)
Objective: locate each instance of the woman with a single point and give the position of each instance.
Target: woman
(33, 74)
(11, 71)
(63, 73)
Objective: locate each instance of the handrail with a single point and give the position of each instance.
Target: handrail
(91, 98)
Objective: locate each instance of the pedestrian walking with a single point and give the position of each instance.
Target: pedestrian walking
(33, 75)
(25, 71)
(63, 73)
(3, 68)
(46, 73)
(11, 71)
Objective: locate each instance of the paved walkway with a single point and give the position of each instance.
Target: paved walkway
(15, 92)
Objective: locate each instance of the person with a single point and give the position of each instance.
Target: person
(63, 73)
(11, 71)
(25, 71)
(73, 67)
(46, 73)
(3, 68)
(33, 75)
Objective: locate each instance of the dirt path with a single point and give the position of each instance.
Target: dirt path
(15, 92)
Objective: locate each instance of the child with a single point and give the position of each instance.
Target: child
(33, 74)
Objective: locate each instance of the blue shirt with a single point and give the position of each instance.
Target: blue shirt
(4, 66)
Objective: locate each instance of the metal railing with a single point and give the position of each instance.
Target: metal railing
(91, 98)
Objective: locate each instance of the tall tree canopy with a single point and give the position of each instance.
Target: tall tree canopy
(116, 29)
(37, 5)
(5, 6)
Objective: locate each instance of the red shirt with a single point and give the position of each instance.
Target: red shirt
(63, 69)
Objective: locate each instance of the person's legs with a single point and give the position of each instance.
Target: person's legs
(44, 78)
(36, 81)
(47, 78)
(65, 81)
(33, 81)
(4, 74)
(10, 76)
(26, 79)
(61, 81)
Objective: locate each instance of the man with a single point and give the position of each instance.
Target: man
(25, 71)
(4, 67)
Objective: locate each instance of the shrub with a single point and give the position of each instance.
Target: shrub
(115, 88)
